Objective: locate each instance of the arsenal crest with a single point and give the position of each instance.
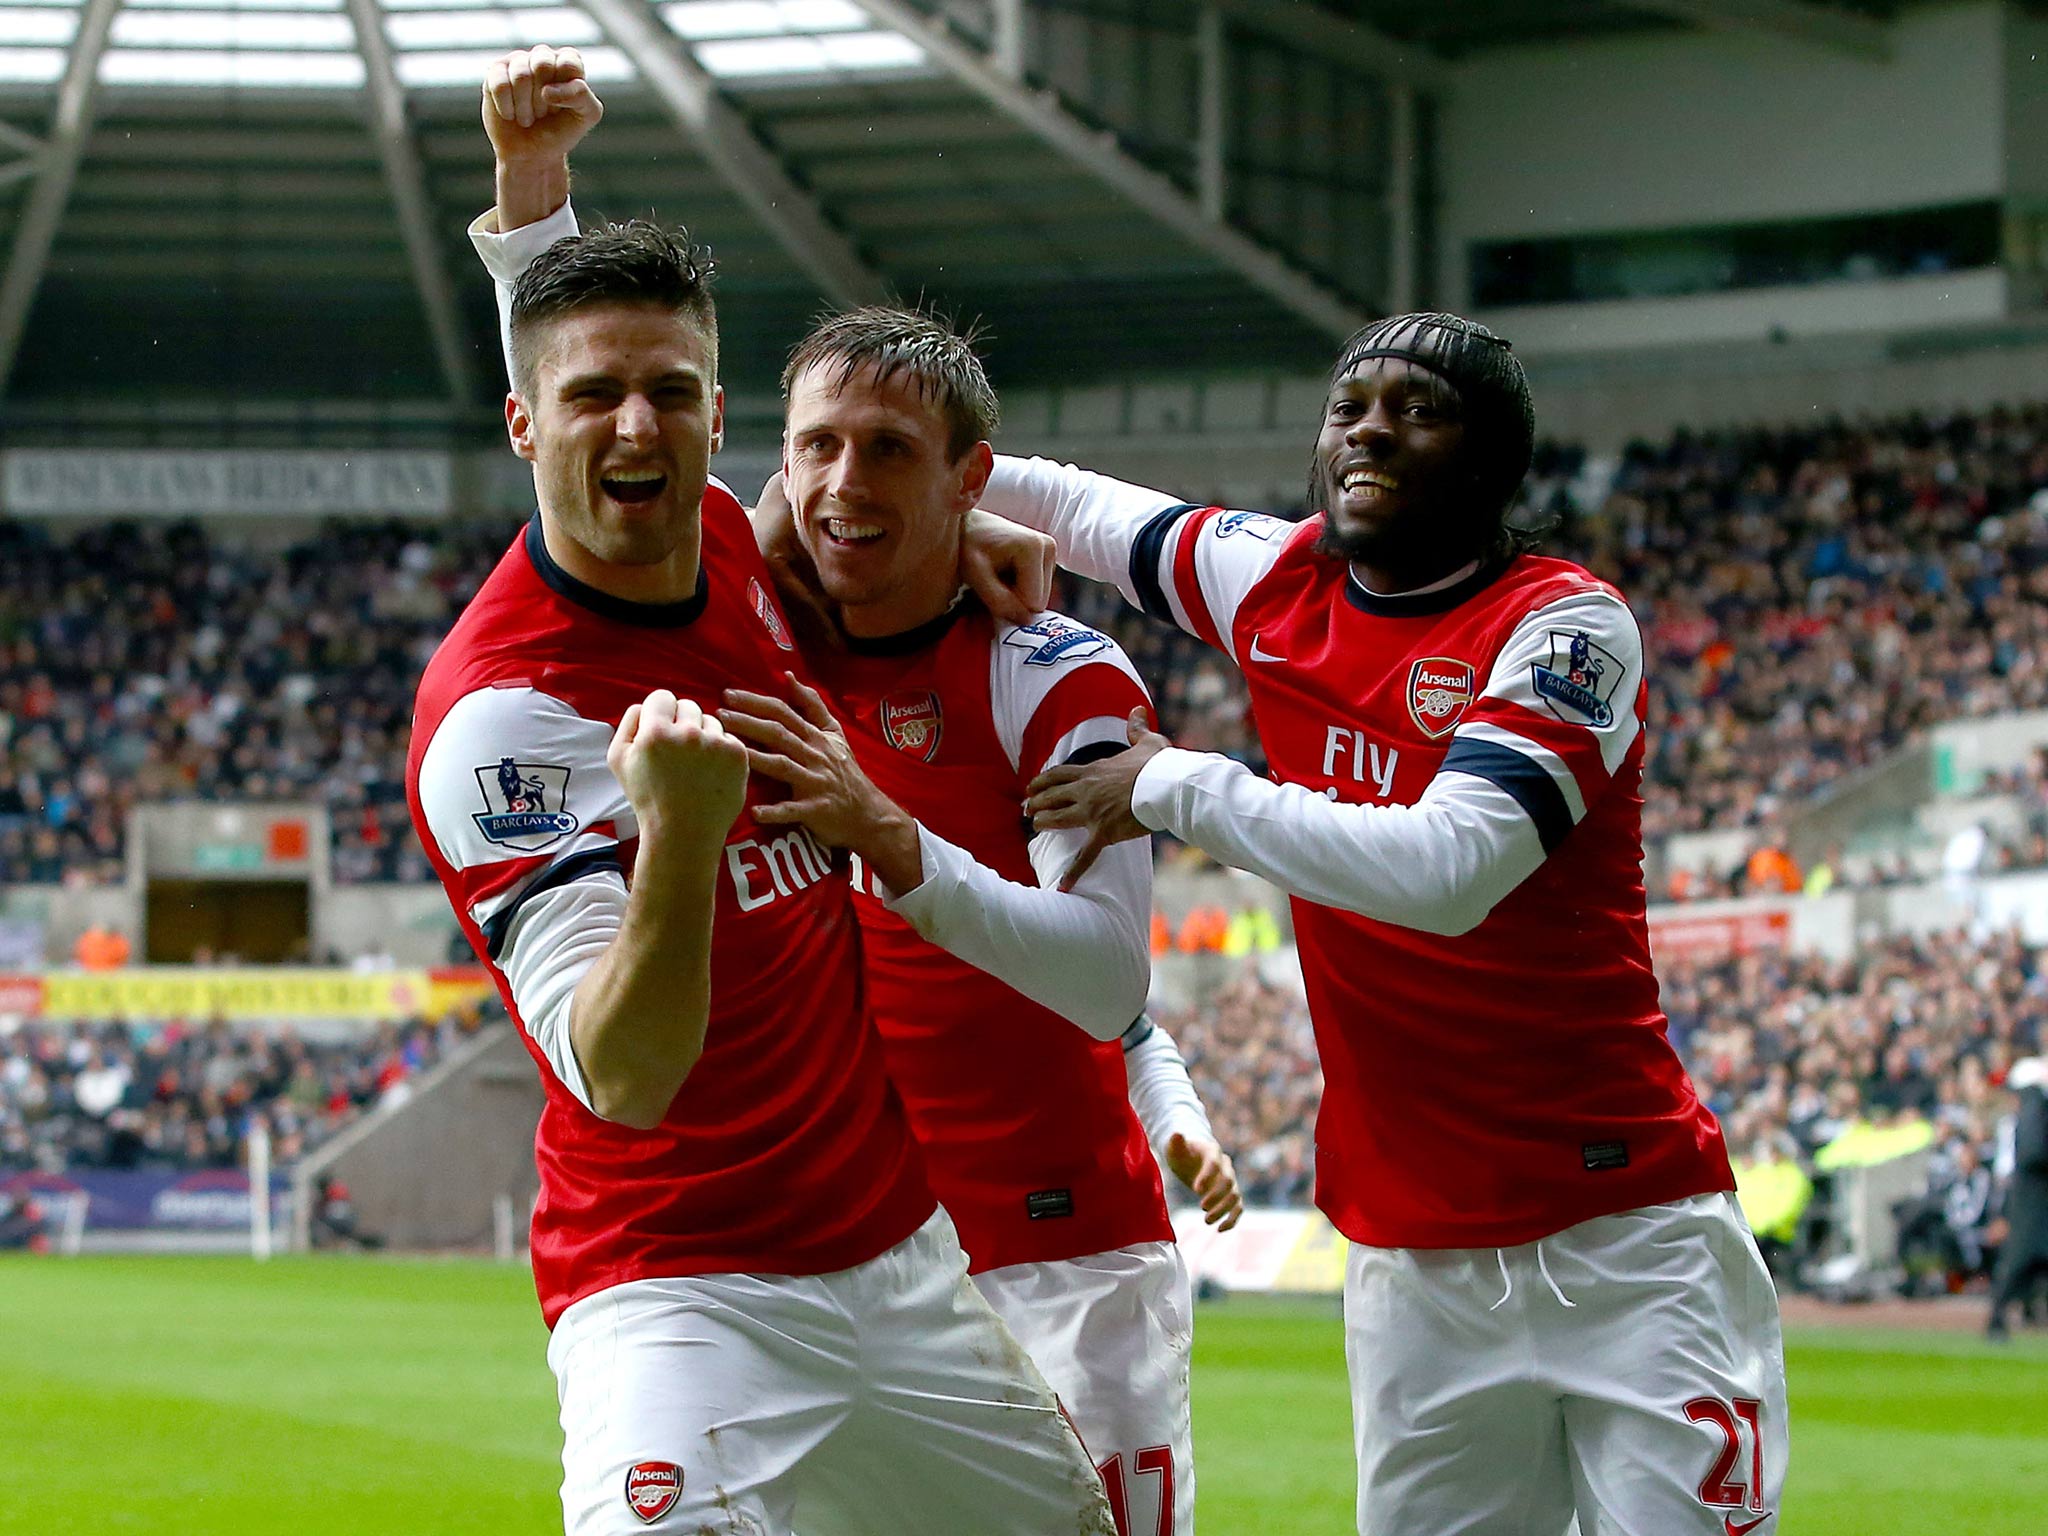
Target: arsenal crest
(911, 723)
(652, 1488)
(1439, 689)
(764, 605)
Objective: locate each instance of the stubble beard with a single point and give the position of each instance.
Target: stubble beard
(578, 513)
(1417, 539)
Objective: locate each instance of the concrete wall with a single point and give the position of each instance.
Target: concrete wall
(1757, 316)
(1835, 923)
(413, 924)
(62, 912)
(1826, 924)
(1966, 750)
(1997, 902)
(424, 1173)
(1713, 127)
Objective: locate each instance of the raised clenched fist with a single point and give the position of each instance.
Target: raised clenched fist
(538, 105)
(683, 774)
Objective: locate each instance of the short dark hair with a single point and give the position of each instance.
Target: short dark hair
(917, 344)
(637, 262)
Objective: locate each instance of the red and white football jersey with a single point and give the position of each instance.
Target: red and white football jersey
(1483, 1087)
(786, 1150)
(1027, 1129)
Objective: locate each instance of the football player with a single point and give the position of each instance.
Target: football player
(1552, 1302)
(759, 1316)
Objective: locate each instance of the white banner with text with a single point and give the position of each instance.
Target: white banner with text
(196, 482)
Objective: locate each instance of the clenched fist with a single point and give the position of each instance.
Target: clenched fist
(682, 773)
(538, 105)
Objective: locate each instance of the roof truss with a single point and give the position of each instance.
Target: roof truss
(1819, 26)
(1046, 116)
(756, 174)
(407, 181)
(55, 170)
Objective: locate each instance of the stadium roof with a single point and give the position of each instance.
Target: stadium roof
(242, 199)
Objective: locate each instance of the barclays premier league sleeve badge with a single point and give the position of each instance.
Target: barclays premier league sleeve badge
(1052, 639)
(524, 805)
(1579, 680)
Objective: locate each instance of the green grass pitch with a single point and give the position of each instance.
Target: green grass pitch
(310, 1396)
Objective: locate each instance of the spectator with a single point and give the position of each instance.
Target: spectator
(1774, 1192)
(101, 948)
(1771, 870)
(1943, 1234)
(2024, 1253)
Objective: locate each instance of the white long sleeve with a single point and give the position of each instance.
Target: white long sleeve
(1439, 865)
(507, 255)
(1094, 521)
(1082, 953)
(1190, 566)
(1162, 1094)
(1057, 690)
(552, 943)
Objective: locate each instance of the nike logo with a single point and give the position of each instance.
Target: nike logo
(1728, 1524)
(1259, 655)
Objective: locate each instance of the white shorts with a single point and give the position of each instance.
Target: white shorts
(883, 1400)
(1112, 1333)
(1628, 1369)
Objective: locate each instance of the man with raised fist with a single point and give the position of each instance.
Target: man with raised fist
(754, 1329)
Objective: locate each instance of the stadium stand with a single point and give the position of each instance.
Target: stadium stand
(1252, 1057)
(1813, 1066)
(1825, 592)
(149, 663)
(175, 1094)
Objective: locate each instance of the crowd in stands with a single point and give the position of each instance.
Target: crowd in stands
(2009, 833)
(1252, 1056)
(144, 662)
(2024, 846)
(1813, 1066)
(1809, 598)
(174, 1094)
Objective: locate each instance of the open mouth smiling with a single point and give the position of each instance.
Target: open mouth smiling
(851, 532)
(632, 486)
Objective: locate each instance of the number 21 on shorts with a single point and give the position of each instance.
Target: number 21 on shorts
(1724, 1487)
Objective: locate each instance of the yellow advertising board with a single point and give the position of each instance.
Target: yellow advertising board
(243, 992)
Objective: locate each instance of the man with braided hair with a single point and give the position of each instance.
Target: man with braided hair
(1552, 1304)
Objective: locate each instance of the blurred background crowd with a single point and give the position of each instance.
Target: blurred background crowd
(174, 1094)
(1809, 599)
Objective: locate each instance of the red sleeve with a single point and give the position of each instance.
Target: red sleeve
(1093, 691)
